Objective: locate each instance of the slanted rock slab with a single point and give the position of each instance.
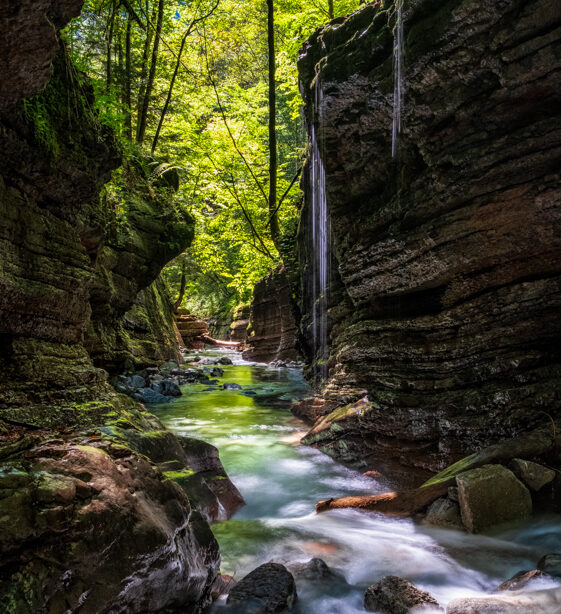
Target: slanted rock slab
(551, 564)
(535, 476)
(521, 580)
(394, 595)
(533, 602)
(491, 495)
(266, 590)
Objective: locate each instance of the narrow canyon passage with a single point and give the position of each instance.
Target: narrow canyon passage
(282, 481)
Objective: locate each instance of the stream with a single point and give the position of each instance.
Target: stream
(282, 481)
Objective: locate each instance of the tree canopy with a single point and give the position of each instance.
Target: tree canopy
(189, 82)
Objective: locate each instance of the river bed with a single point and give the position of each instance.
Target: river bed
(282, 481)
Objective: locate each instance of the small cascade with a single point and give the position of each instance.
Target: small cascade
(321, 247)
(397, 76)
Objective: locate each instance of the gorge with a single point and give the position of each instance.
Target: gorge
(416, 285)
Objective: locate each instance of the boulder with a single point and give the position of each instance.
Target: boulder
(224, 361)
(491, 495)
(551, 564)
(231, 386)
(533, 475)
(444, 513)
(521, 580)
(394, 595)
(216, 372)
(533, 602)
(148, 395)
(134, 382)
(314, 570)
(268, 589)
(168, 387)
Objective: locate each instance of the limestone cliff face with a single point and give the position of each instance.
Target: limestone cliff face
(446, 292)
(88, 519)
(273, 332)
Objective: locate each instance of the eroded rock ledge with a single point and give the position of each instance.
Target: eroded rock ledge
(445, 301)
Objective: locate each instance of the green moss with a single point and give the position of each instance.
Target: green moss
(452, 471)
(177, 476)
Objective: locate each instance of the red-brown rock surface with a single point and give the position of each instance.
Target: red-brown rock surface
(447, 290)
(273, 330)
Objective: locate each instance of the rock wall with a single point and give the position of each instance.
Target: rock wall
(90, 519)
(273, 332)
(447, 284)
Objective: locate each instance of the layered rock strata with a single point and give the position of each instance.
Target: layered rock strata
(446, 288)
(92, 514)
(273, 332)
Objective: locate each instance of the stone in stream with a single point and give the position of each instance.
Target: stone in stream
(268, 589)
(444, 513)
(224, 361)
(231, 386)
(535, 476)
(216, 372)
(532, 602)
(134, 382)
(521, 580)
(168, 387)
(551, 564)
(491, 495)
(147, 395)
(314, 570)
(394, 595)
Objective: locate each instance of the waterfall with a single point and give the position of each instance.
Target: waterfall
(320, 245)
(397, 76)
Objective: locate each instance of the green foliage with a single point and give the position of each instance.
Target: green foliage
(215, 130)
(37, 113)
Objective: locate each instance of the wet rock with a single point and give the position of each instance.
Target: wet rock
(314, 570)
(310, 410)
(222, 585)
(551, 564)
(533, 602)
(394, 595)
(453, 494)
(168, 387)
(148, 395)
(231, 386)
(533, 475)
(444, 513)
(216, 372)
(134, 382)
(521, 580)
(100, 533)
(491, 495)
(224, 360)
(249, 393)
(169, 366)
(266, 590)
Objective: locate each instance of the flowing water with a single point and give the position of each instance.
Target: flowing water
(397, 77)
(281, 482)
(321, 243)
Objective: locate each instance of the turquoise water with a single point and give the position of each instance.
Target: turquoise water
(282, 481)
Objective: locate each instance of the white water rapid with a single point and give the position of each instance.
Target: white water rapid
(397, 76)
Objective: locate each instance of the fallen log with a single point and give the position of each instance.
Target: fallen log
(234, 345)
(536, 443)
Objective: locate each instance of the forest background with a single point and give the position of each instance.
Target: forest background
(209, 88)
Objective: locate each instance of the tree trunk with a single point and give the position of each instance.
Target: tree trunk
(127, 84)
(170, 90)
(330, 9)
(179, 300)
(275, 230)
(108, 75)
(144, 66)
(152, 73)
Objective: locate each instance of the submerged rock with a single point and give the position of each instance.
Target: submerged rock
(491, 495)
(266, 590)
(216, 372)
(231, 386)
(314, 570)
(534, 602)
(394, 595)
(551, 564)
(224, 361)
(521, 580)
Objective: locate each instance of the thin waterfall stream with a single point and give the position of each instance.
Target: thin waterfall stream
(321, 243)
(398, 86)
(281, 481)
